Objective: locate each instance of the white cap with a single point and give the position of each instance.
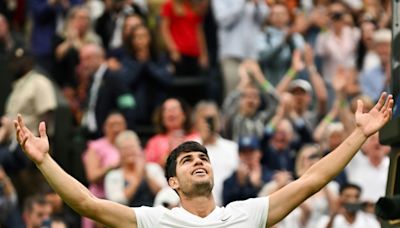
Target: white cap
(300, 83)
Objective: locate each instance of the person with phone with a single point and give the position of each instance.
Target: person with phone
(350, 211)
(208, 124)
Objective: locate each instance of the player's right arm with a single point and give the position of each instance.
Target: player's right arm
(71, 191)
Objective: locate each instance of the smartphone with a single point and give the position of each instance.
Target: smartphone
(354, 207)
(210, 122)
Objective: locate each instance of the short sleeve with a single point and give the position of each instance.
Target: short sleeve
(256, 208)
(149, 216)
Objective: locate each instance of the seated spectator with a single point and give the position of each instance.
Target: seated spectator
(250, 176)
(60, 212)
(349, 212)
(323, 202)
(9, 214)
(371, 164)
(136, 182)
(36, 212)
(174, 125)
(208, 124)
(101, 156)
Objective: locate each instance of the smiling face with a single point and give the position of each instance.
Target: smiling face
(173, 116)
(249, 101)
(194, 175)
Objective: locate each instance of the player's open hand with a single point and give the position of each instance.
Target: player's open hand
(377, 117)
(36, 148)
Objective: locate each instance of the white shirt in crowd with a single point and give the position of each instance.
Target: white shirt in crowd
(371, 179)
(224, 158)
(363, 220)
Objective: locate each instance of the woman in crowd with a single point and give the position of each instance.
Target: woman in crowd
(174, 126)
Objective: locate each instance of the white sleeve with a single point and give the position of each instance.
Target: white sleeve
(149, 217)
(114, 185)
(255, 208)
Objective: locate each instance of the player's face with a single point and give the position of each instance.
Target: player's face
(194, 175)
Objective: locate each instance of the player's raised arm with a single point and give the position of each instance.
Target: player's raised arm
(283, 201)
(71, 191)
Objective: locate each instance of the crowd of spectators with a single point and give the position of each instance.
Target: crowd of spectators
(267, 86)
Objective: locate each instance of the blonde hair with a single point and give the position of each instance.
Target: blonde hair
(127, 135)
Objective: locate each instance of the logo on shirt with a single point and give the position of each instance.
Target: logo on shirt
(226, 218)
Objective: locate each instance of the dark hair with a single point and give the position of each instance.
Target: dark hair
(189, 146)
(32, 200)
(158, 116)
(349, 185)
(132, 35)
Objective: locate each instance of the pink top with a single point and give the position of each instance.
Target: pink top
(108, 155)
(158, 147)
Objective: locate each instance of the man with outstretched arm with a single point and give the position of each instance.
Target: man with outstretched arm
(189, 173)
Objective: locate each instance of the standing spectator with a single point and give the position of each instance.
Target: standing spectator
(101, 156)
(174, 127)
(106, 91)
(245, 115)
(208, 124)
(250, 176)
(114, 55)
(110, 25)
(136, 182)
(46, 17)
(77, 32)
(377, 79)
(182, 32)
(9, 42)
(277, 44)
(337, 46)
(366, 56)
(33, 94)
(239, 23)
(145, 74)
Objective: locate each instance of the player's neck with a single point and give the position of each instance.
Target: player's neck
(201, 206)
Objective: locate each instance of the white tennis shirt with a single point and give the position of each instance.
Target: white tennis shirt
(240, 214)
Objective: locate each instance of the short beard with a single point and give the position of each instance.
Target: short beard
(200, 189)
